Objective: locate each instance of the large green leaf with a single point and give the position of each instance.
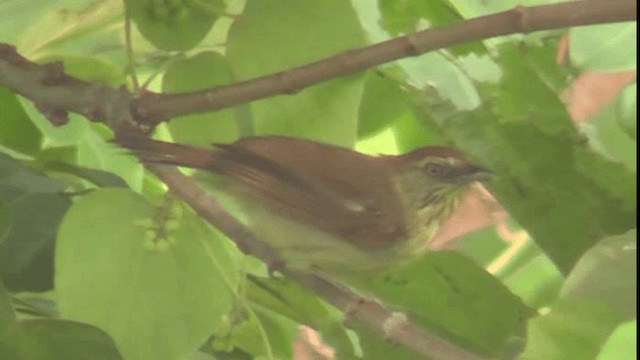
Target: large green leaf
(450, 295)
(163, 271)
(268, 37)
(560, 190)
(32, 208)
(175, 24)
(570, 330)
(607, 273)
(18, 132)
(203, 70)
(610, 47)
(49, 339)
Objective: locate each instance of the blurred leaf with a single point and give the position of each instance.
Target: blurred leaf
(435, 72)
(29, 305)
(537, 282)
(17, 180)
(18, 132)
(414, 129)
(60, 340)
(258, 332)
(571, 330)
(326, 112)
(26, 255)
(89, 68)
(375, 349)
(203, 70)
(544, 166)
(622, 344)
(282, 296)
(11, 26)
(401, 17)
(90, 141)
(452, 296)
(64, 24)
(7, 315)
(116, 255)
(610, 47)
(288, 299)
(627, 105)
(98, 177)
(32, 206)
(174, 24)
(69, 134)
(199, 355)
(47, 339)
(382, 101)
(607, 273)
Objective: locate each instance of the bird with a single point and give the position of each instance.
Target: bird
(328, 207)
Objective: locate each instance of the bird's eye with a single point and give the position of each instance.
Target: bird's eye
(435, 170)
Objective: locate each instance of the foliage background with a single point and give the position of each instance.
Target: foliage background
(97, 263)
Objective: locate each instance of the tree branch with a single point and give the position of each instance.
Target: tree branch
(394, 327)
(156, 108)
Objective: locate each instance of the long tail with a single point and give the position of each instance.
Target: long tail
(162, 152)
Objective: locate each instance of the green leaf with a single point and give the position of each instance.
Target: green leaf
(622, 344)
(608, 131)
(62, 25)
(382, 102)
(203, 70)
(98, 177)
(375, 349)
(17, 180)
(26, 255)
(18, 132)
(173, 278)
(454, 297)
(48, 339)
(537, 282)
(32, 208)
(544, 167)
(59, 340)
(571, 330)
(175, 24)
(289, 299)
(607, 273)
(325, 112)
(93, 150)
(610, 47)
(89, 68)
(7, 315)
(436, 71)
(400, 17)
(627, 106)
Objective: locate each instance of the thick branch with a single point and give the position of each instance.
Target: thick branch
(155, 108)
(55, 93)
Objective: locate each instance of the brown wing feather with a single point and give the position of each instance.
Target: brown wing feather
(328, 192)
(346, 194)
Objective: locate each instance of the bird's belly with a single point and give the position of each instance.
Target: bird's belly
(305, 248)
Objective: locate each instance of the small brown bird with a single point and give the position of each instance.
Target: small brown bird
(330, 207)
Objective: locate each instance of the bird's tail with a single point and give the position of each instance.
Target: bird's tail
(162, 152)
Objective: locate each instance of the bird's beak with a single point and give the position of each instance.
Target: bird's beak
(474, 173)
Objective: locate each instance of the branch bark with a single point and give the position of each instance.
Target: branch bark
(392, 326)
(156, 108)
